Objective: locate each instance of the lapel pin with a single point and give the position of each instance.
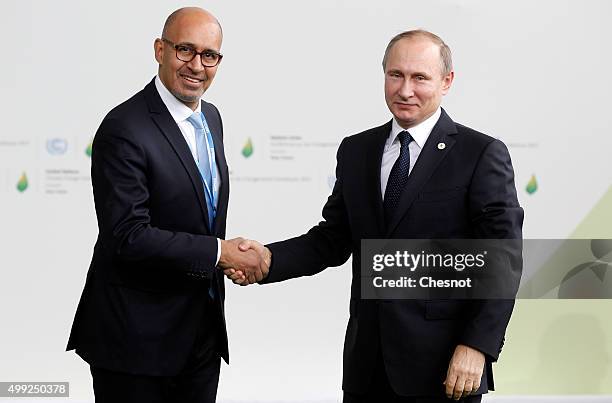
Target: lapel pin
(441, 146)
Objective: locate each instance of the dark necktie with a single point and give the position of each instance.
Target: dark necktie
(398, 177)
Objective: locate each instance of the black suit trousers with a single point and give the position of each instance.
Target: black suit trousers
(381, 391)
(196, 383)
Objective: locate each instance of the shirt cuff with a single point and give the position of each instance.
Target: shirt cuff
(218, 251)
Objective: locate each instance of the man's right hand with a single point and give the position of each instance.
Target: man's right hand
(248, 262)
(240, 277)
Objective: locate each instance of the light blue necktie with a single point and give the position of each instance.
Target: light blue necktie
(203, 164)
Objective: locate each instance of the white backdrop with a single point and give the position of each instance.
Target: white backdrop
(296, 78)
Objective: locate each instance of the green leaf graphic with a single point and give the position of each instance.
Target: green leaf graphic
(532, 186)
(22, 185)
(88, 150)
(247, 150)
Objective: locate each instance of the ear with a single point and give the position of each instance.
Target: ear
(447, 81)
(158, 47)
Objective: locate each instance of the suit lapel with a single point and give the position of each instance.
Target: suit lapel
(373, 164)
(168, 127)
(429, 159)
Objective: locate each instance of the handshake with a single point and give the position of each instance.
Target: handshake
(244, 261)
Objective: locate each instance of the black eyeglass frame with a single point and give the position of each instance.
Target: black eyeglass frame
(194, 53)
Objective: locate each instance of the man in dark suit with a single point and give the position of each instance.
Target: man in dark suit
(419, 176)
(150, 321)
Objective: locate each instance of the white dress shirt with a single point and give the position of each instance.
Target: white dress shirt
(391, 153)
(180, 112)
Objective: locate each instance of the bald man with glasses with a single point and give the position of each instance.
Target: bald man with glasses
(150, 322)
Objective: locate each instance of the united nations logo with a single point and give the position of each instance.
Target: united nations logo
(57, 146)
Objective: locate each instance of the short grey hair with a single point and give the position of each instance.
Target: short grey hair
(446, 58)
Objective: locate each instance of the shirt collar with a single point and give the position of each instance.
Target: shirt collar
(419, 133)
(179, 111)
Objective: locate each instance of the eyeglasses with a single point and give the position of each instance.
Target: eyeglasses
(184, 53)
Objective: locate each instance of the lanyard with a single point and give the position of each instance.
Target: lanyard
(210, 148)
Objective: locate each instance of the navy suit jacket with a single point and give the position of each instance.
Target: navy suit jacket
(465, 190)
(145, 297)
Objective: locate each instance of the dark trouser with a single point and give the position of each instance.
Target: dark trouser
(189, 387)
(197, 382)
(380, 391)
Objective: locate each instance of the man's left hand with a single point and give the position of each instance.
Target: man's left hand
(464, 372)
